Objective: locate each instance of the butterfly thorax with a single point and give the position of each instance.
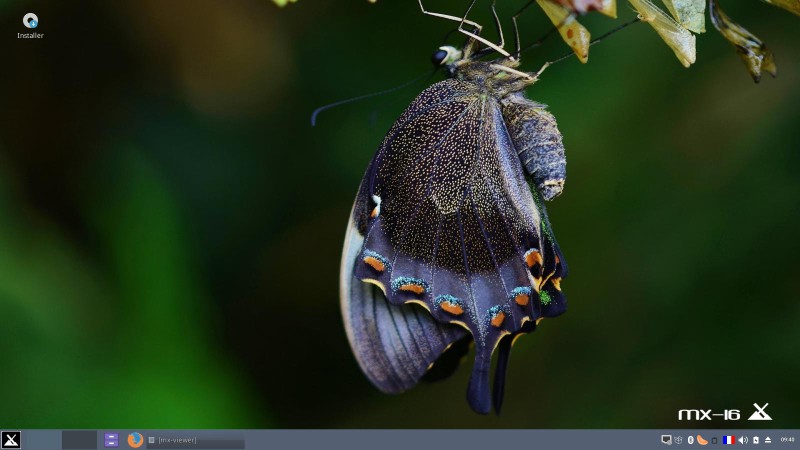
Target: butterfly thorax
(498, 78)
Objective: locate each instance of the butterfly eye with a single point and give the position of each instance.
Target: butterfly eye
(445, 55)
(439, 57)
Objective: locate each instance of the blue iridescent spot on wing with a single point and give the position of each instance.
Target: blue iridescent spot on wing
(410, 284)
(497, 315)
(521, 295)
(377, 261)
(449, 304)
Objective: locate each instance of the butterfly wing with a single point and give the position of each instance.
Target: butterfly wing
(395, 345)
(445, 219)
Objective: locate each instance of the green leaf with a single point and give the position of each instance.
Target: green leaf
(755, 55)
(691, 14)
(283, 3)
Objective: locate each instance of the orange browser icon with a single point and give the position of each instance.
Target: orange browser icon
(701, 441)
(135, 440)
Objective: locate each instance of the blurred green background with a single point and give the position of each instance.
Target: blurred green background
(171, 225)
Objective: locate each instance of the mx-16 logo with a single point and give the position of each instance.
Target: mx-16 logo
(727, 414)
(708, 414)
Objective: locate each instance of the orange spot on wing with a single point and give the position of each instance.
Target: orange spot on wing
(452, 308)
(532, 258)
(522, 299)
(556, 283)
(375, 263)
(570, 33)
(415, 288)
(498, 319)
(374, 212)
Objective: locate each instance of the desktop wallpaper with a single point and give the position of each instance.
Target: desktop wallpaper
(171, 225)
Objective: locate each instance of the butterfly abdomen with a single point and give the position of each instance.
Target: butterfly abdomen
(538, 143)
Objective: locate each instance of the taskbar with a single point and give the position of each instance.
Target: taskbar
(773, 439)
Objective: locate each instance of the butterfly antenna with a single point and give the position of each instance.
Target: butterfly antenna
(619, 28)
(517, 41)
(366, 96)
(475, 35)
(538, 42)
(595, 41)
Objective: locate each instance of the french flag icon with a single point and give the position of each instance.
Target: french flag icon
(728, 440)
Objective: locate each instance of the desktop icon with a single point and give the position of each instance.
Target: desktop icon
(714, 440)
(690, 440)
(666, 439)
(755, 440)
(135, 440)
(11, 439)
(760, 414)
(728, 440)
(678, 440)
(30, 20)
(767, 440)
(701, 441)
(110, 440)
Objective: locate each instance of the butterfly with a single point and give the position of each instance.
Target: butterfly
(448, 241)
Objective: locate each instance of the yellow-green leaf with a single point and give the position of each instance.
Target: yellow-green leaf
(689, 13)
(609, 8)
(756, 56)
(679, 39)
(573, 33)
(789, 5)
(283, 2)
(580, 6)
